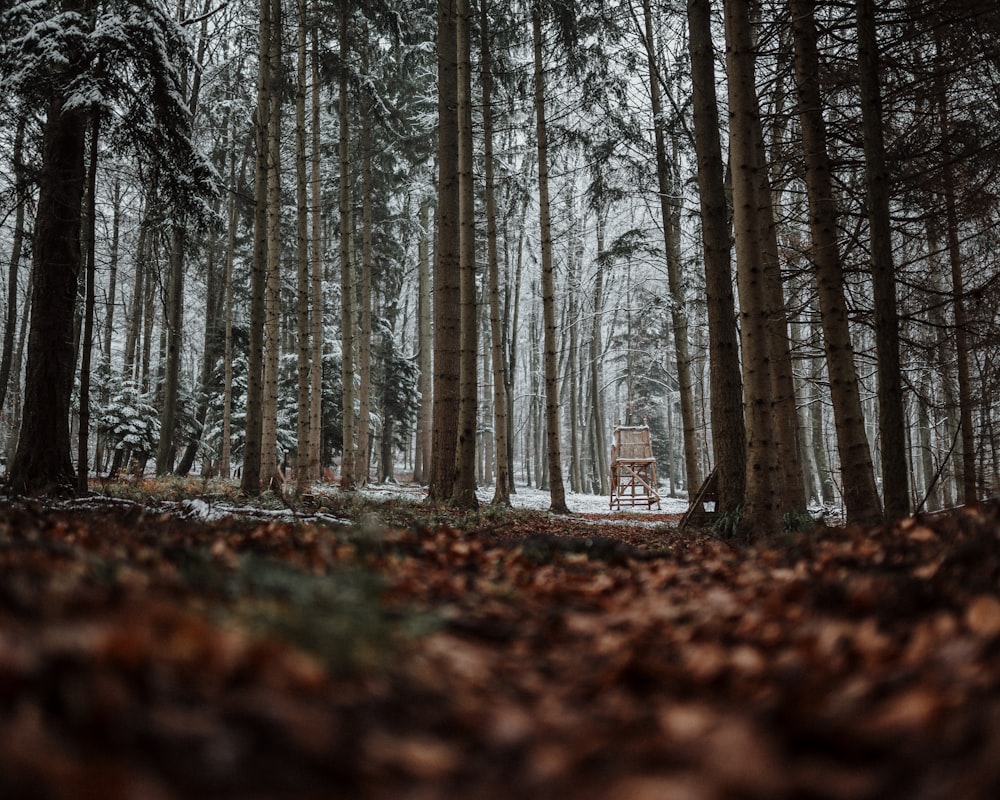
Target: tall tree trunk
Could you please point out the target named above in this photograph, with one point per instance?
(784, 406)
(574, 257)
(597, 406)
(171, 377)
(447, 282)
(671, 235)
(861, 500)
(557, 491)
(512, 310)
(109, 314)
(15, 383)
(212, 350)
(501, 491)
(892, 425)
(464, 491)
(83, 449)
(969, 482)
(729, 432)
(133, 336)
(762, 506)
(225, 456)
(364, 294)
(347, 460)
(42, 460)
(250, 482)
(272, 292)
(316, 268)
(303, 431)
(422, 456)
(20, 199)
(152, 282)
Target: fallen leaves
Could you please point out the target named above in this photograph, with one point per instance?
(142, 655)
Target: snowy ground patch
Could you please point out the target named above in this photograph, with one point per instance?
(531, 498)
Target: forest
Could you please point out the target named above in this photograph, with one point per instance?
(325, 322)
(494, 233)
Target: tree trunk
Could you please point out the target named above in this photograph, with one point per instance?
(15, 387)
(892, 423)
(152, 282)
(42, 461)
(212, 349)
(501, 491)
(250, 482)
(447, 282)
(969, 482)
(729, 432)
(512, 311)
(784, 406)
(303, 431)
(347, 459)
(671, 239)
(83, 449)
(109, 316)
(422, 457)
(20, 199)
(133, 336)
(315, 463)
(225, 457)
(464, 490)
(597, 405)
(171, 377)
(861, 500)
(365, 294)
(272, 292)
(557, 491)
(761, 515)
(574, 257)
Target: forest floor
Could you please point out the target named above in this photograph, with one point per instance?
(158, 646)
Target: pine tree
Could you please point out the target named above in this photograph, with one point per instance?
(55, 58)
(857, 474)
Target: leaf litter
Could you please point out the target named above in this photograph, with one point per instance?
(146, 653)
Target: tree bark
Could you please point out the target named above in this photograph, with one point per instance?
(671, 240)
(969, 482)
(761, 515)
(212, 349)
(501, 491)
(225, 456)
(597, 406)
(250, 480)
(557, 491)
(892, 423)
(171, 377)
(447, 282)
(425, 344)
(272, 292)
(17, 246)
(347, 461)
(316, 269)
(303, 430)
(861, 500)
(109, 316)
(83, 448)
(364, 294)
(464, 491)
(42, 461)
(726, 385)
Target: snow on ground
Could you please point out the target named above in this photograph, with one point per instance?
(530, 498)
(526, 498)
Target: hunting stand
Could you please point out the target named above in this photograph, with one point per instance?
(633, 468)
